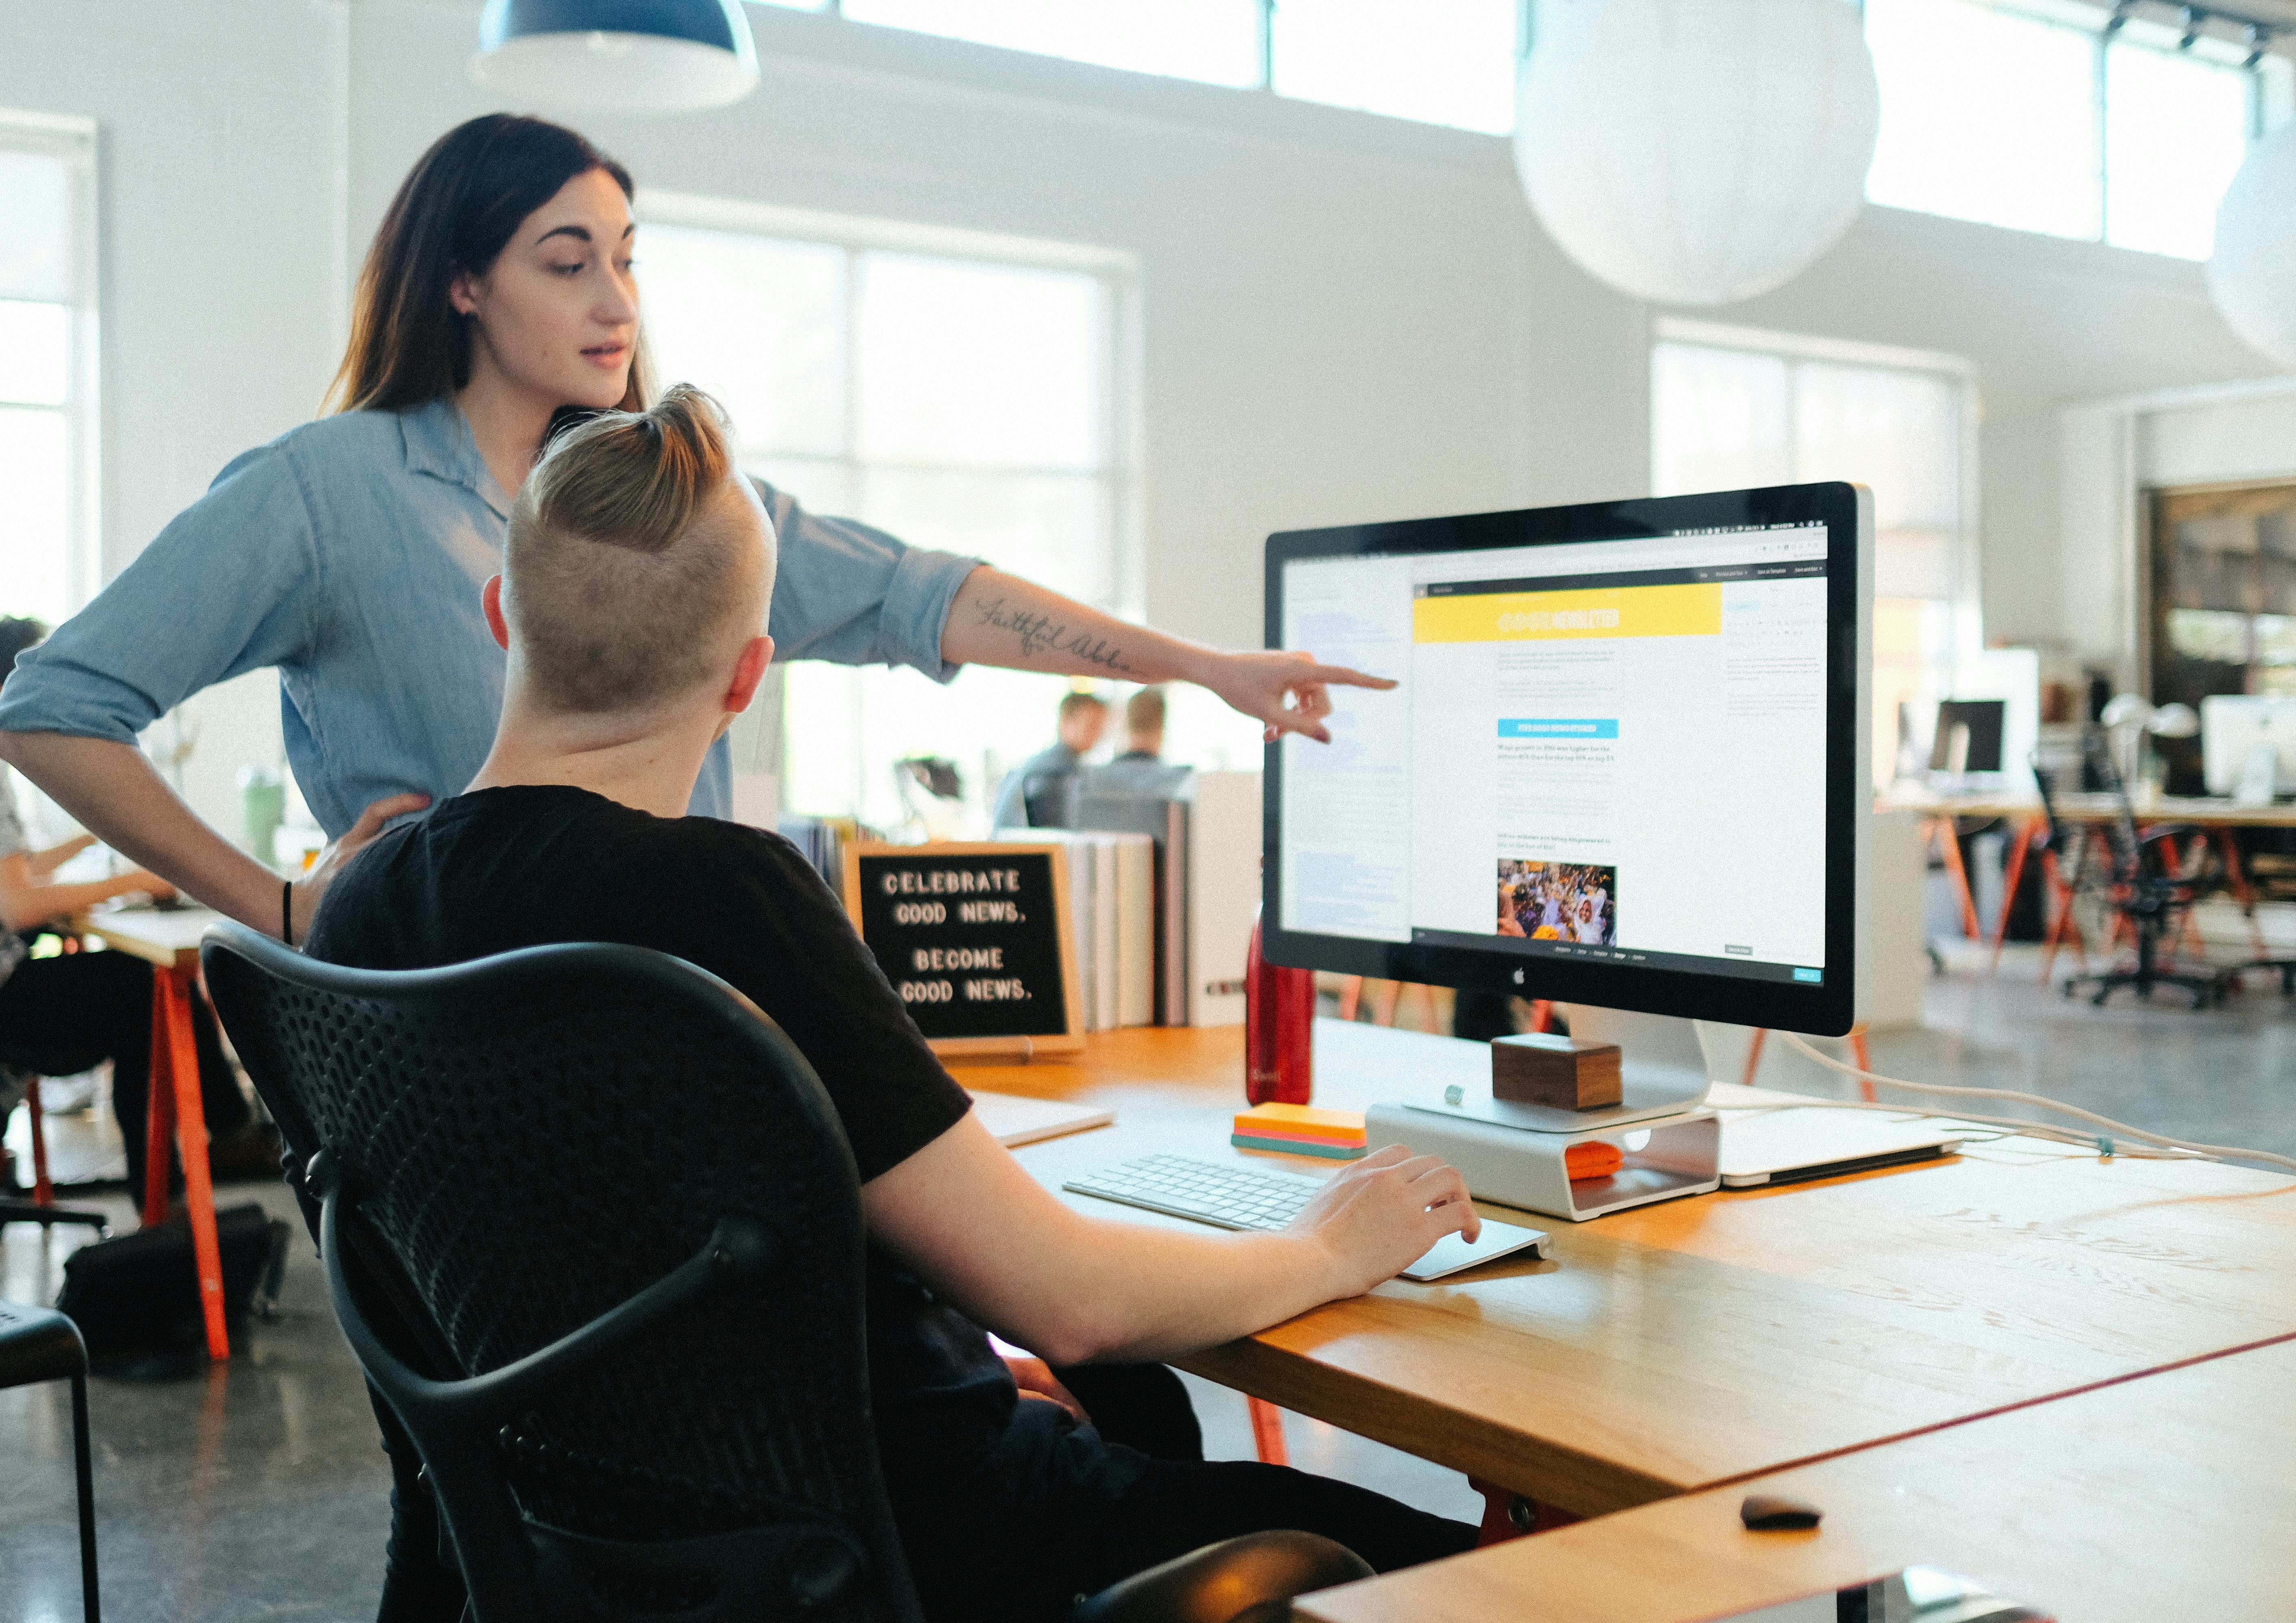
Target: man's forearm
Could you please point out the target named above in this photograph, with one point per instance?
(1001, 619)
(113, 791)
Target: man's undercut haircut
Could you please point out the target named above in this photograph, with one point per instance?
(1071, 703)
(621, 588)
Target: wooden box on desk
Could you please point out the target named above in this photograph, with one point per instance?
(1564, 1073)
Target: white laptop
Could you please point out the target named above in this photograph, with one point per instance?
(1793, 1145)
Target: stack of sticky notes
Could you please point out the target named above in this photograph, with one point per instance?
(1301, 1130)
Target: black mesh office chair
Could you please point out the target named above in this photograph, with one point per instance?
(655, 1405)
(2151, 885)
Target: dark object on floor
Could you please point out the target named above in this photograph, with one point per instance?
(1769, 1513)
(39, 1344)
(1206, 1585)
(680, 1421)
(2150, 881)
(136, 1299)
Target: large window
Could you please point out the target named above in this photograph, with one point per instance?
(1732, 408)
(47, 366)
(2035, 114)
(966, 394)
(1438, 61)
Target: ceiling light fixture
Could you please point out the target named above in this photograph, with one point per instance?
(617, 55)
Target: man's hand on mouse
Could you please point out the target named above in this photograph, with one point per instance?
(1382, 1213)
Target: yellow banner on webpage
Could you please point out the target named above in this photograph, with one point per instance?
(1693, 609)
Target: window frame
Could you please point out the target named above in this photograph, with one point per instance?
(1121, 428)
(73, 140)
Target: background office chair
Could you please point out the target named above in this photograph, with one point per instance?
(2151, 885)
(654, 1404)
(42, 1208)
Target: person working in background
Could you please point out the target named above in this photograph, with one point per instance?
(1140, 771)
(1040, 792)
(64, 1014)
(574, 830)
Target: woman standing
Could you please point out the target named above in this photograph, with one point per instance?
(349, 553)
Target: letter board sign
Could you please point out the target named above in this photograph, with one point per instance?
(975, 939)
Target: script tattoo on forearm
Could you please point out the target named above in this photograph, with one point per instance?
(1040, 634)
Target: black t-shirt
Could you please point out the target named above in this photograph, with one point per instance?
(505, 868)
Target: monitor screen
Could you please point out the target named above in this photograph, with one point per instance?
(1625, 764)
(1968, 736)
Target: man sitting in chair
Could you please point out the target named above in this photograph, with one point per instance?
(637, 574)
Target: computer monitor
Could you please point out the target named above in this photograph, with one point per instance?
(1628, 764)
(2233, 725)
(1968, 737)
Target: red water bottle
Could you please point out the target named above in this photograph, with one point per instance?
(1279, 1013)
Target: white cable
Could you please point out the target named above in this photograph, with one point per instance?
(2103, 1144)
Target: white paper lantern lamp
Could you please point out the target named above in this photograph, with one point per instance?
(1696, 151)
(2252, 272)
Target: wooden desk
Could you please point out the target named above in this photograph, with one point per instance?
(2166, 1498)
(169, 942)
(1681, 1345)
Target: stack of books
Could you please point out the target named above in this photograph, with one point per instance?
(1301, 1130)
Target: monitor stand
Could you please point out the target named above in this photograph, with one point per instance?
(1513, 1154)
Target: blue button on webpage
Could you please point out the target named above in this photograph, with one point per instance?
(1814, 976)
(1557, 728)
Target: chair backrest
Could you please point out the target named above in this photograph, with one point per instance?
(2120, 833)
(595, 1232)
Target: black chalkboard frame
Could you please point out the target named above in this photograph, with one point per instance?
(1019, 1044)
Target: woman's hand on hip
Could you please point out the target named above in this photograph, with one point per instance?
(313, 885)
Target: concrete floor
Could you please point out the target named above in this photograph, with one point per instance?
(256, 1490)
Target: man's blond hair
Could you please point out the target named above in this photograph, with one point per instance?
(621, 587)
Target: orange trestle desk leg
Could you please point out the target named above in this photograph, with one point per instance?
(176, 1075)
(1754, 1055)
(158, 1107)
(1350, 996)
(1268, 1431)
(44, 1193)
(1865, 1058)
(2236, 880)
(1507, 1514)
(2018, 846)
(1542, 1015)
(1951, 844)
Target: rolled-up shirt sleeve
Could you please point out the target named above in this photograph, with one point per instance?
(852, 594)
(227, 587)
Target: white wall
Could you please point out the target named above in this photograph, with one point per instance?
(220, 134)
(1345, 316)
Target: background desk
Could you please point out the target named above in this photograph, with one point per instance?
(2167, 1498)
(1681, 1345)
(169, 942)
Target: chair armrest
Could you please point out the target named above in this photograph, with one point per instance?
(2169, 830)
(1250, 1579)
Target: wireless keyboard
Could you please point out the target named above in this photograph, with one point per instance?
(1224, 1196)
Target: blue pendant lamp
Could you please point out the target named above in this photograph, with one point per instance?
(617, 55)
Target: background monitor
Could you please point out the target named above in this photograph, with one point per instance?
(1628, 764)
(2234, 723)
(1971, 729)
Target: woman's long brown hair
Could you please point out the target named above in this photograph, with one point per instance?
(454, 211)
